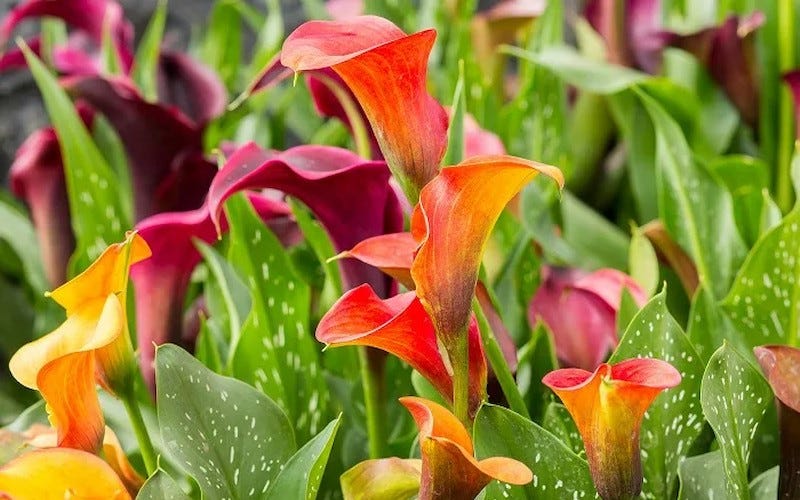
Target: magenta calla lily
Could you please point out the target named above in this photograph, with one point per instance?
(161, 282)
(351, 196)
(37, 176)
(190, 86)
(580, 309)
(86, 16)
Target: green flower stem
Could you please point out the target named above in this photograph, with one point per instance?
(459, 360)
(498, 363)
(140, 429)
(361, 132)
(786, 62)
(372, 371)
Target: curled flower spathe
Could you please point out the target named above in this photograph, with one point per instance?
(91, 346)
(608, 406)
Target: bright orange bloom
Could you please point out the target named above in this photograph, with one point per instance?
(59, 473)
(608, 406)
(449, 467)
(93, 345)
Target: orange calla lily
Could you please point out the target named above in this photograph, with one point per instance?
(59, 473)
(452, 222)
(93, 345)
(382, 66)
(449, 467)
(608, 406)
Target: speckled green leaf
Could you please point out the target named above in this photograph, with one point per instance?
(232, 439)
(535, 360)
(559, 422)
(696, 208)
(277, 346)
(160, 486)
(643, 262)
(97, 215)
(702, 477)
(734, 396)
(558, 473)
(765, 486)
(302, 474)
(675, 418)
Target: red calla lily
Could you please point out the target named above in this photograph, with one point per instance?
(781, 366)
(401, 326)
(608, 406)
(580, 309)
(351, 196)
(449, 467)
(381, 66)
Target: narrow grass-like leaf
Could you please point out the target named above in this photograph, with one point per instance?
(97, 217)
(558, 473)
(675, 418)
(17, 231)
(734, 397)
(232, 439)
(455, 133)
(145, 65)
(301, 475)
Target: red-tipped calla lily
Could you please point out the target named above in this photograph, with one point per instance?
(37, 176)
(58, 473)
(90, 17)
(401, 326)
(608, 406)
(161, 282)
(449, 467)
(781, 366)
(351, 196)
(580, 309)
(382, 478)
(381, 66)
(92, 345)
(452, 222)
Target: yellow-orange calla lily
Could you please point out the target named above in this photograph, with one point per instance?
(92, 345)
(59, 473)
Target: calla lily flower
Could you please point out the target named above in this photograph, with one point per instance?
(781, 366)
(608, 406)
(580, 309)
(350, 196)
(161, 282)
(452, 222)
(635, 37)
(401, 326)
(449, 467)
(37, 176)
(93, 345)
(381, 66)
(58, 473)
(89, 17)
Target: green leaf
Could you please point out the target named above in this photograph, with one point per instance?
(747, 179)
(643, 262)
(229, 437)
(222, 47)
(702, 477)
(765, 486)
(145, 65)
(269, 37)
(598, 242)
(558, 473)
(97, 217)
(535, 360)
(277, 345)
(764, 298)
(695, 207)
(559, 422)
(455, 132)
(17, 230)
(583, 72)
(301, 475)
(734, 396)
(675, 418)
(709, 327)
(160, 486)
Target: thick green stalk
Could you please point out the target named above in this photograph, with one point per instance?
(459, 359)
(372, 370)
(786, 136)
(498, 363)
(140, 429)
